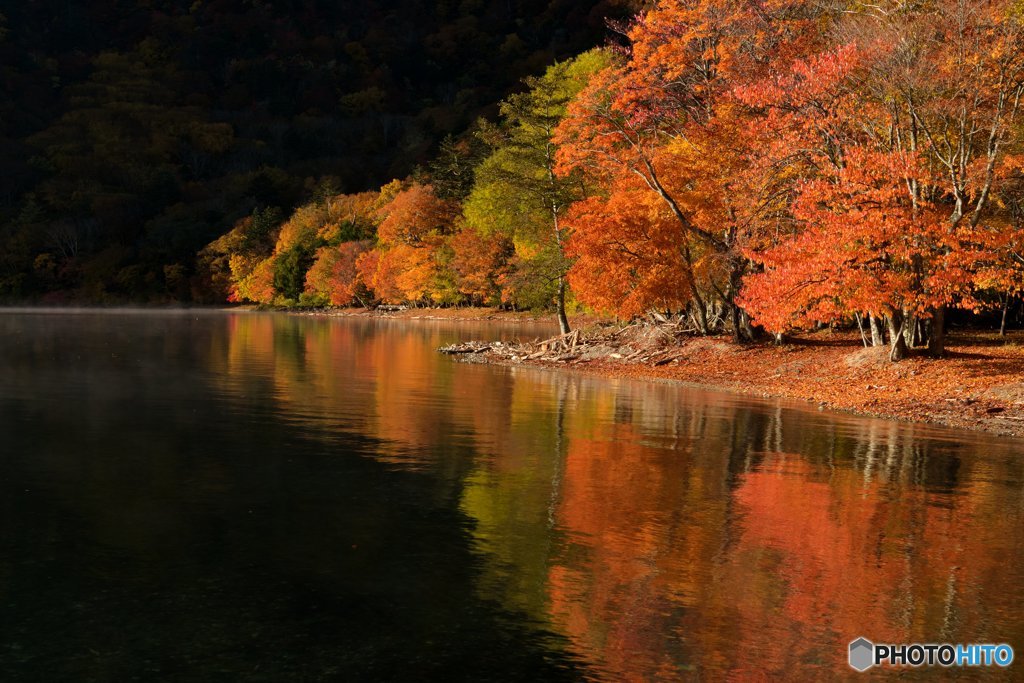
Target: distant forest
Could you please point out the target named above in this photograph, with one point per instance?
(133, 132)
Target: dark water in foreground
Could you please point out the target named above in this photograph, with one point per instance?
(264, 497)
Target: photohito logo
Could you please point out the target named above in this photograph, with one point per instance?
(864, 654)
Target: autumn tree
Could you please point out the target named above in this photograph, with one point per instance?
(416, 217)
(631, 254)
(663, 121)
(956, 71)
(267, 260)
(481, 265)
(841, 248)
(405, 265)
(333, 278)
(231, 259)
(862, 246)
(898, 141)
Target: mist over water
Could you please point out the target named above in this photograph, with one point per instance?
(273, 497)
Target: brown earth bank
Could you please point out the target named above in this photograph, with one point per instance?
(979, 385)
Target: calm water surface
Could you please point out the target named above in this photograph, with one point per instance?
(213, 496)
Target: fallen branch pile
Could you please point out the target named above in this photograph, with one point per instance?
(641, 342)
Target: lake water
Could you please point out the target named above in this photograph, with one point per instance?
(219, 496)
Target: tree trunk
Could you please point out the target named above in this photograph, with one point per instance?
(910, 330)
(700, 316)
(737, 332)
(700, 309)
(860, 326)
(937, 336)
(741, 327)
(877, 336)
(563, 319)
(899, 350)
(1006, 309)
(750, 333)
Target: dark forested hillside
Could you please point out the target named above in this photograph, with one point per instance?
(133, 132)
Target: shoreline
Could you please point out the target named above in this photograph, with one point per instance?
(978, 386)
(995, 425)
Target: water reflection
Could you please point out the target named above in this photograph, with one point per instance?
(630, 531)
(666, 531)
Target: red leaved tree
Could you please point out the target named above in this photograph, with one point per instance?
(665, 123)
(897, 143)
(334, 276)
(404, 267)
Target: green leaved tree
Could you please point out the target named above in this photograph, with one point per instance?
(516, 192)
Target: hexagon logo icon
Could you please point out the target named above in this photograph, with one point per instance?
(862, 654)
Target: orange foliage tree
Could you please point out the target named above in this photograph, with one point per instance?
(664, 123)
(405, 265)
(902, 143)
(863, 246)
(480, 264)
(268, 261)
(333, 277)
(634, 254)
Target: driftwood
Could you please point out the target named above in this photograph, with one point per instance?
(655, 343)
(466, 347)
